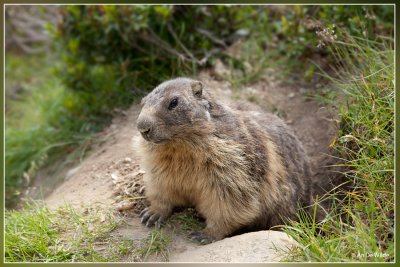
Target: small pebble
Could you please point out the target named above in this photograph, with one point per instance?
(127, 160)
(125, 205)
(114, 178)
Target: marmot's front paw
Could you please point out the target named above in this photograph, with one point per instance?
(200, 237)
(150, 218)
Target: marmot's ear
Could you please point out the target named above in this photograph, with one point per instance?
(197, 88)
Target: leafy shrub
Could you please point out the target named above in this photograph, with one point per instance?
(300, 31)
(114, 53)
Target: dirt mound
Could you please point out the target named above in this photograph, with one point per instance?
(92, 180)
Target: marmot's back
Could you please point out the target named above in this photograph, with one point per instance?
(239, 169)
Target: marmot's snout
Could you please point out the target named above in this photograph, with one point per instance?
(145, 127)
(150, 129)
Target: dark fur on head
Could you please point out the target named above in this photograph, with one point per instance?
(171, 107)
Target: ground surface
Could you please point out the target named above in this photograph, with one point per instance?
(111, 175)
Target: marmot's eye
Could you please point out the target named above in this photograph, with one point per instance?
(173, 103)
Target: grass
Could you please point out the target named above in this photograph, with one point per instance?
(40, 127)
(247, 63)
(19, 70)
(360, 226)
(38, 234)
(30, 237)
(188, 220)
(156, 243)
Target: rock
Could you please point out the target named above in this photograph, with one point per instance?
(220, 70)
(114, 178)
(127, 160)
(242, 33)
(125, 205)
(262, 246)
(71, 173)
(302, 90)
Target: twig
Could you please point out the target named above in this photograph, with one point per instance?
(25, 27)
(212, 52)
(210, 36)
(155, 39)
(171, 31)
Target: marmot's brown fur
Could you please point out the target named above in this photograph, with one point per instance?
(238, 169)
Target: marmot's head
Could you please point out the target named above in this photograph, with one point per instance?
(175, 110)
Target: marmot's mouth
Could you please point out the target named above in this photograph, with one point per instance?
(145, 136)
(159, 142)
(154, 141)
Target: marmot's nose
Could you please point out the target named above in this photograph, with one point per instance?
(145, 131)
(144, 127)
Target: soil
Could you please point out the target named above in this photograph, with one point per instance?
(111, 174)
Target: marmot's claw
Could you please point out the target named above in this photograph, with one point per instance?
(143, 212)
(205, 241)
(145, 216)
(200, 237)
(159, 222)
(150, 218)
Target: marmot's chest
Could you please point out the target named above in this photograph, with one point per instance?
(183, 176)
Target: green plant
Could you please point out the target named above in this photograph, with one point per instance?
(136, 47)
(40, 130)
(304, 30)
(188, 220)
(360, 226)
(156, 243)
(38, 234)
(30, 237)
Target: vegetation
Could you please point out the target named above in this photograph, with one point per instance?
(187, 221)
(105, 57)
(39, 128)
(135, 48)
(360, 226)
(38, 234)
(156, 243)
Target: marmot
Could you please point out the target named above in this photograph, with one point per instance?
(238, 169)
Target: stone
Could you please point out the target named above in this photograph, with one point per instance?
(127, 160)
(71, 173)
(262, 246)
(220, 70)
